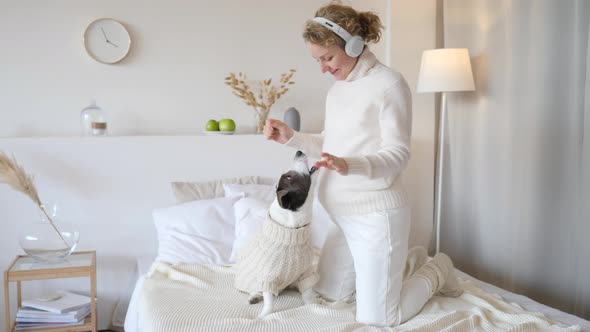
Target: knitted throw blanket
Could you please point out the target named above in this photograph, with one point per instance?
(195, 298)
(276, 258)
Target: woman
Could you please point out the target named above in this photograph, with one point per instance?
(364, 148)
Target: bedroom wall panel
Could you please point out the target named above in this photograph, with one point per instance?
(172, 81)
(109, 186)
(170, 84)
(413, 29)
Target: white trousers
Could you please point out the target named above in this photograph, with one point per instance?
(367, 253)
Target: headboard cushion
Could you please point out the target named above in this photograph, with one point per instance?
(191, 191)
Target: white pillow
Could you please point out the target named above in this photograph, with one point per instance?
(198, 232)
(249, 213)
(261, 191)
(192, 191)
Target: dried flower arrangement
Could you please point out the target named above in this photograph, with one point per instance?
(12, 174)
(267, 96)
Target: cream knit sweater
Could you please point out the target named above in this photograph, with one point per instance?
(279, 256)
(368, 122)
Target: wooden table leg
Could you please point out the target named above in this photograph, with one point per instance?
(93, 300)
(7, 317)
(19, 299)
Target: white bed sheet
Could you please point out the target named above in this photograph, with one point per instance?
(131, 313)
(143, 264)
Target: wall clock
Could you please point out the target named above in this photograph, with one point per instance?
(107, 40)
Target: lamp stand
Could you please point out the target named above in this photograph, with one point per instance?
(439, 166)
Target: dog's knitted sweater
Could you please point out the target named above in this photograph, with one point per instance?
(278, 257)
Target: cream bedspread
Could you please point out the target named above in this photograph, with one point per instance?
(202, 298)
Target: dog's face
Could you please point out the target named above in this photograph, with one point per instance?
(294, 185)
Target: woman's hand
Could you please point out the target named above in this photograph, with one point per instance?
(333, 163)
(277, 131)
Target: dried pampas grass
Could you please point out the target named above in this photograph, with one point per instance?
(267, 95)
(14, 175)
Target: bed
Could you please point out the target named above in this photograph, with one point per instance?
(173, 292)
(495, 296)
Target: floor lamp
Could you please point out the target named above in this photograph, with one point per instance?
(443, 70)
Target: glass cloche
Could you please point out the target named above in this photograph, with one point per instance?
(93, 120)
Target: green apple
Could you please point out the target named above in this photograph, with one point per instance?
(212, 125)
(227, 125)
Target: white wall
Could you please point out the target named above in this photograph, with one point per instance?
(172, 81)
(109, 186)
(170, 84)
(413, 29)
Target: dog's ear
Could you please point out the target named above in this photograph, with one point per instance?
(283, 199)
(312, 170)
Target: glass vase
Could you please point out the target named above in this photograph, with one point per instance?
(49, 238)
(260, 120)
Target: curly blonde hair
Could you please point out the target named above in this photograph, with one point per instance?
(364, 24)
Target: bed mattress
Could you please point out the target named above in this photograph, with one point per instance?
(202, 298)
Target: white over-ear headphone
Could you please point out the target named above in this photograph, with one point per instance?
(354, 44)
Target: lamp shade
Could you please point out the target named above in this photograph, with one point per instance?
(445, 70)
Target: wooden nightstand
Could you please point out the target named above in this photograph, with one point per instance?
(78, 264)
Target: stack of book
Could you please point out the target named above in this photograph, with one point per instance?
(64, 309)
